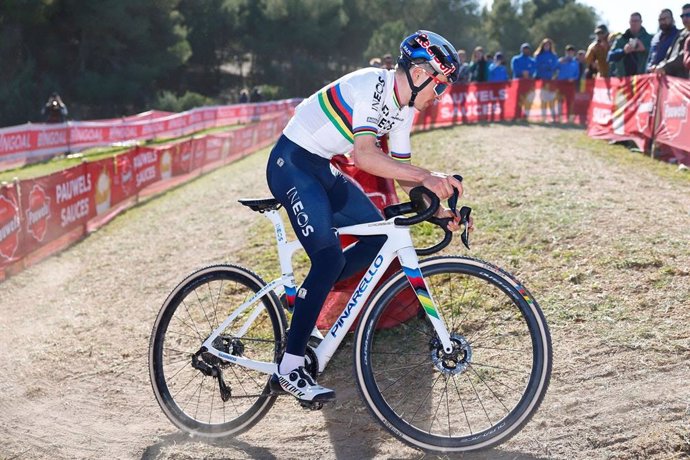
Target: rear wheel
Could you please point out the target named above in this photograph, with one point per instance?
(197, 391)
(478, 395)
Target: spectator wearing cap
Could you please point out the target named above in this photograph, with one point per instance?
(673, 63)
(546, 60)
(662, 40)
(497, 68)
(631, 51)
(479, 68)
(597, 52)
(523, 65)
(568, 66)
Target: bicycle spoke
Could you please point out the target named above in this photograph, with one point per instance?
(479, 399)
(489, 388)
(210, 326)
(474, 363)
(462, 405)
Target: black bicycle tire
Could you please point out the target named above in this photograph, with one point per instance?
(375, 402)
(177, 416)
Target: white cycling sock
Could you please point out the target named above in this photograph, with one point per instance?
(289, 363)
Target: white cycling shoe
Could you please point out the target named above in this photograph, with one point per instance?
(301, 385)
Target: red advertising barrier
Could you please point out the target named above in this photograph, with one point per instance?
(623, 109)
(547, 101)
(41, 216)
(10, 227)
(34, 142)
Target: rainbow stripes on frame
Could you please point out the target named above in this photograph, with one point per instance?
(414, 276)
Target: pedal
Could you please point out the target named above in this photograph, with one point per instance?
(311, 405)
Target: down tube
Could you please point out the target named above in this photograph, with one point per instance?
(359, 298)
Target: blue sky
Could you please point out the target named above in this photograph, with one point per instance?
(616, 13)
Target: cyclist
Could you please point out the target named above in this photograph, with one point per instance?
(345, 116)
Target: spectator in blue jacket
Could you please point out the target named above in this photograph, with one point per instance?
(523, 65)
(662, 40)
(497, 69)
(568, 65)
(546, 60)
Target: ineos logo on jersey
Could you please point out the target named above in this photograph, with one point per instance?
(378, 93)
(301, 217)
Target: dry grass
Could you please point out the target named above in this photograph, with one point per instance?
(598, 234)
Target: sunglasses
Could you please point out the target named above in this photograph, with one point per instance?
(685, 15)
(440, 87)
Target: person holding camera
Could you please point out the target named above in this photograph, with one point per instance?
(597, 52)
(54, 110)
(629, 53)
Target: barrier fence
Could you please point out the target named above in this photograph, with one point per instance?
(33, 142)
(43, 215)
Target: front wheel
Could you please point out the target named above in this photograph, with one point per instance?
(481, 393)
(197, 391)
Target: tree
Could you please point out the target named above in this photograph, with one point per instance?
(571, 24)
(505, 26)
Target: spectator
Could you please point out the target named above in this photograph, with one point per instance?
(497, 69)
(582, 63)
(615, 68)
(388, 62)
(568, 66)
(244, 96)
(598, 50)
(546, 60)
(464, 76)
(673, 63)
(256, 95)
(375, 62)
(479, 69)
(631, 51)
(523, 65)
(54, 110)
(662, 40)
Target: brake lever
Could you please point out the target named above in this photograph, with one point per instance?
(465, 212)
(453, 200)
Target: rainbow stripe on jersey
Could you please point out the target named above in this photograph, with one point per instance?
(336, 109)
(414, 276)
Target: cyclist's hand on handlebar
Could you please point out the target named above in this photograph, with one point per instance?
(454, 222)
(442, 185)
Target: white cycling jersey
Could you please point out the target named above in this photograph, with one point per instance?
(362, 103)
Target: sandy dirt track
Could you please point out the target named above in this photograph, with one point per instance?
(74, 329)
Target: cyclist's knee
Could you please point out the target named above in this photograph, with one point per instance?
(328, 262)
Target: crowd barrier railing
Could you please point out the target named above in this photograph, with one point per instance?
(44, 215)
(33, 142)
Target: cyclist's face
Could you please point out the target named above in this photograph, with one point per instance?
(426, 96)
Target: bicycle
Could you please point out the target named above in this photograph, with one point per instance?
(464, 368)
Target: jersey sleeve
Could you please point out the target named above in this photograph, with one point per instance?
(368, 92)
(399, 140)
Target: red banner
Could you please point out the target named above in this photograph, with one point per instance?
(547, 101)
(10, 226)
(623, 108)
(673, 128)
(55, 204)
(33, 142)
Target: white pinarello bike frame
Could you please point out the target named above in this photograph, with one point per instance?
(398, 243)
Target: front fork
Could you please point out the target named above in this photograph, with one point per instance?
(410, 265)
